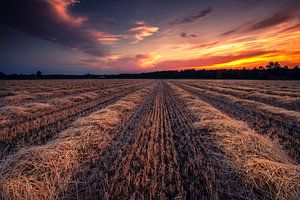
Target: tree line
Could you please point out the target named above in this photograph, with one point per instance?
(272, 71)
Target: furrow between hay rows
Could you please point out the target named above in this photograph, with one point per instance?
(93, 181)
(263, 170)
(144, 161)
(276, 123)
(40, 130)
(50, 168)
(194, 166)
(202, 160)
(149, 166)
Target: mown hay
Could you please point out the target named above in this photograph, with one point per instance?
(40, 172)
(280, 180)
(260, 161)
(15, 110)
(44, 172)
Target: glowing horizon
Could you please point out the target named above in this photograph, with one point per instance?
(73, 37)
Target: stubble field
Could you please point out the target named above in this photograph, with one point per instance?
(149, 139)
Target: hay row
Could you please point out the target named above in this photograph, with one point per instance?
(44, 172)
(30, 92)
(279, 88)
(259, 161)
(30, 110)
(279, 124)
(34, 122)
(286, 102)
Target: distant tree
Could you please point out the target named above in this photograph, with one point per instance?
(38, 73)
(261, 68)
(270, 65)
(273, 65)
(273, 70)
(276, 65)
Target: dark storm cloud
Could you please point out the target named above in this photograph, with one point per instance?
(273, 20)
(192, 18)
(286, 14)
(50, 20)
(294, 27)
(230, 32)
(185, 35)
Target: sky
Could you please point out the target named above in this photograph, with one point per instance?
(130, 36)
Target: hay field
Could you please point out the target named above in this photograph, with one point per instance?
(149, 139)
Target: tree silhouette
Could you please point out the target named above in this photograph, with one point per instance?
(273, 70)
(273, 66)
(38, 73)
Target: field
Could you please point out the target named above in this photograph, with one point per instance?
(149, 139)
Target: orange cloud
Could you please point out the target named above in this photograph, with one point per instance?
(282, 43)
(142, 30)
(106, 38)
(61, 9)
(201, 62)
(247, 59)
(122, 64)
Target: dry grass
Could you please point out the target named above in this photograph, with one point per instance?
(280, 180)
(34, 107)
(90, 95)
(24, 110)
(40, 172)
(60, 102)
(40, 123)
(76, 98)
(283, 101)
(44, 172)
(104, 118)
(278, 123)
(260, 161)
(3, 120)
(154, 143)
(19, 97)
(14, 110)
(263, 163)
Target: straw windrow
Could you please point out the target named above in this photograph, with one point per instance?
(44, 172)
(260, 162)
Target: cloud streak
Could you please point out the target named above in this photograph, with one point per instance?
(272, 20)
(51, 20)
(287, 14)
(185, 35)
(122, 64)
(207, 61)
(192, 18)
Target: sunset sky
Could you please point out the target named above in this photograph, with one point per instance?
(118, 36)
